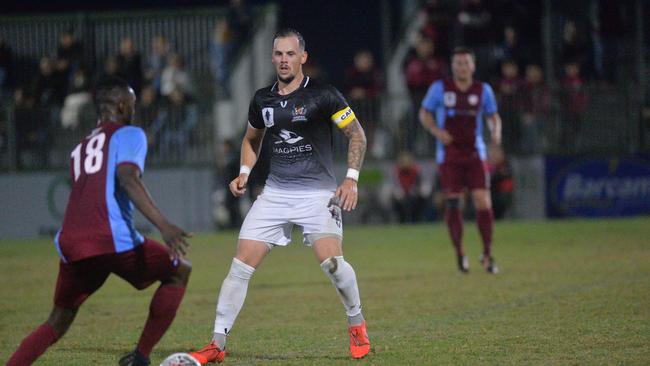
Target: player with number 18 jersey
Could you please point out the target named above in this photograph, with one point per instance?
(99, 216)
(98, 237)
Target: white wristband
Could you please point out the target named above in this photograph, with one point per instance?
(353, 174)
(244, 170)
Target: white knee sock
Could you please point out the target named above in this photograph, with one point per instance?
(231, 298)
(344, 280)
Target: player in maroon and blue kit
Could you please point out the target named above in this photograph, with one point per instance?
(453, 111)
(98, 237)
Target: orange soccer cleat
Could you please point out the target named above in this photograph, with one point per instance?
(209, 353)
(359, 342)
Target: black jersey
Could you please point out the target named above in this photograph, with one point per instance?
(299, 126)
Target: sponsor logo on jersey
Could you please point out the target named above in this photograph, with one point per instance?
(289, 137)
(283, 103)
(449, 99)
(299, 114)
(292, 150)
(451, 112)
(267, 115)
(343, 117)
(472, 99)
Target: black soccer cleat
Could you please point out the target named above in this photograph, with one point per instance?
(489, 264)
(463, 264)
(134, 358)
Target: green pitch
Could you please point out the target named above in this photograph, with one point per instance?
(570, 293)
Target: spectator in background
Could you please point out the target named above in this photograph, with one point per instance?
(406, 197)
(178, 119)
(534, 107)
(228, 170)
(6, 68)
(315, 70)
(221, 49)
(573, 100)
(364, 82)
(158, 60)
(574, 48)
(608, 32)
(476, 26)
(502, 184)
(111, 68)
(174, 77)
(32, 131)
(438, 20)
(364, 79)
(507, 88)
(50, 85)
(78, 109)
(421, 69)
(147, 112)
(130, 64)
(69, 54)
(511, 49)
(240, 20)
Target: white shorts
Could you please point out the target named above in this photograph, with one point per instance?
(275, 212)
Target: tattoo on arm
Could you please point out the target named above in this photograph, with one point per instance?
(357, 146)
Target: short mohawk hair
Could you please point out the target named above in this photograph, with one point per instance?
(290, 32)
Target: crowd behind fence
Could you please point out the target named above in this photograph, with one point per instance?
(586, 105)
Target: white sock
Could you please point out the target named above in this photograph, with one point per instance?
(344, 280)
(231, 297)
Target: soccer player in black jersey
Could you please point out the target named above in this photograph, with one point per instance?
(298, 115)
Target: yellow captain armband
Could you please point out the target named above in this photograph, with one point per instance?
(343, 117)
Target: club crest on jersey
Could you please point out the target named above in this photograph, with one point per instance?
(472, 99)
(449, 99)
(267, 115)
(299, 114)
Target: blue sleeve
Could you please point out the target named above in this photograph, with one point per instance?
(489, 101)
(131, 146)
(433, 99)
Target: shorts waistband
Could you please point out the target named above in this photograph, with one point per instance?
(297, 193)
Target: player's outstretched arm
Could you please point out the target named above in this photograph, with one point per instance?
(250, 150)
(129, 178)
(347, 192)
(429, 123)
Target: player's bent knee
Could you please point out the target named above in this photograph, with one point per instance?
(183, 272)
(332, 265)
(482, 200)
(329, 265)
(61, 318)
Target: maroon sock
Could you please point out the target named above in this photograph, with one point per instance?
(162, 311)
(34, 345)
(454, 220)
(484, 221)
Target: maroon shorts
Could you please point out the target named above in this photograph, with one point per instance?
(142, 266)
(457, 175)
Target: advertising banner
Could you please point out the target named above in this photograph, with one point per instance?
(594, 187)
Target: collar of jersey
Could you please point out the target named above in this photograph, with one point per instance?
(304, 83)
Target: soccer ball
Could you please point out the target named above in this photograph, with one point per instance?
(180, 359)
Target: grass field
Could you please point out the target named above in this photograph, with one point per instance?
(570, 293)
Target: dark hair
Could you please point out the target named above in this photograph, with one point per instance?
(461, 50)
(106, 88)
(290, 32)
